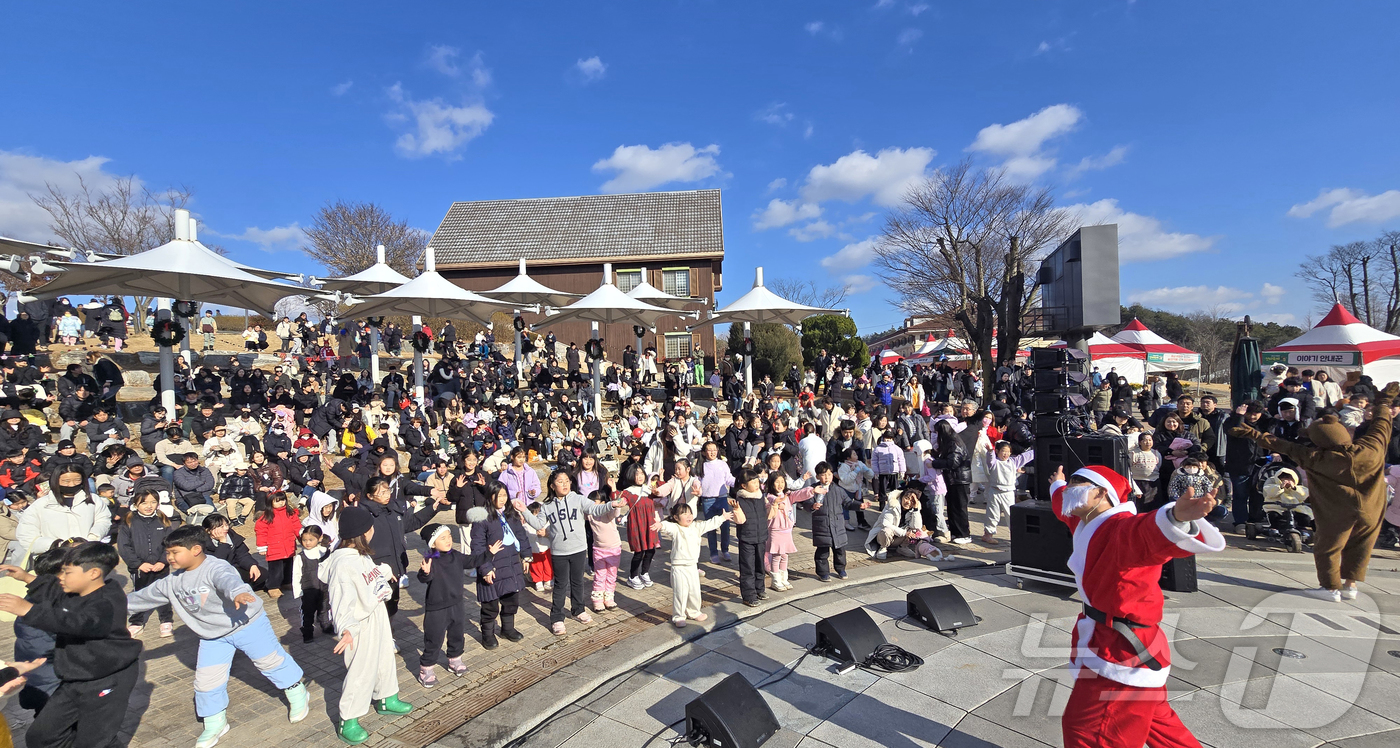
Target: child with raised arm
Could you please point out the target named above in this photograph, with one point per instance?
(216, 604)
(685, 533)
(1002, 469)
(828, 527)
(358, 590)
(445, 571)
(94, 655)
(781, 519)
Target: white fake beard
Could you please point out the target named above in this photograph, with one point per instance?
(1074, 498)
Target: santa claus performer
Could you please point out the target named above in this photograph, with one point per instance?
(1119, 652)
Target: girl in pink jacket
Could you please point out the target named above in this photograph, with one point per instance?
(781, 518)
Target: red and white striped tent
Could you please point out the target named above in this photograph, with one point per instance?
(1162, 354)
(1111, 356)
(888, 357)
(1341, 343)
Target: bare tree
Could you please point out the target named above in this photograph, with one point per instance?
(965, 244)
(1210, 333)
(808, 292)
(343, 237)
(124, 219)
(1363, 276)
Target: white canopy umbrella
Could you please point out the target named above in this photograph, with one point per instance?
(376, 278)
(524, 291)
(181, 269)
(762, 305)
(429, 295)
(608, 305)
(647, 293)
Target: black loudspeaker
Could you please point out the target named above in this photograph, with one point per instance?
(940, 608)
(1040, 542)
(732, 714)
(849, 637)
(1075, 452)
(1179, 575)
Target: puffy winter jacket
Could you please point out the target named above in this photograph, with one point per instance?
(955, 464)
(46, 520)
(279, 534)
(828, 525)
(507, 564)
(140, 542)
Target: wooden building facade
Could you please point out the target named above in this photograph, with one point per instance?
(676, 237)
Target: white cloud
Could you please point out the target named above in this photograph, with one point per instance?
(1222, 298)
(436, 127)
(275, 238)
(807, 133)
(1042, 48)
(1140, 238)
(1189, 298)
(639, 167)
(853, 256)
(880, 4)
(813, 231)
(443, 59)
(917, 8)
(883, 177)
(775, 114)
(907, 37)
(777, 184)
(340, 89)
(1351, 206)
(859, 283)
(814, 28)
(1113, 158)
(783, 212)
(591, 69)
(1021, 142)
(22, 175)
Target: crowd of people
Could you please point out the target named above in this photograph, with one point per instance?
(896, 454)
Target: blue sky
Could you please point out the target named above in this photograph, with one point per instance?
(1228, 140)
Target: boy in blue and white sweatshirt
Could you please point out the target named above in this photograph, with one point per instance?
(218, 606)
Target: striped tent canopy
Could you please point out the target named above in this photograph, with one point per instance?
(1342, 343)
(1162, 354)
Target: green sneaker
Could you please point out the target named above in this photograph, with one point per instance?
(299, 700)
(215, 727)
(392, 705)
(351, 732)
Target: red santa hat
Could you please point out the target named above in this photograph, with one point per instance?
(1117, 486)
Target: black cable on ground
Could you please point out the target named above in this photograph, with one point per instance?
(891, 658)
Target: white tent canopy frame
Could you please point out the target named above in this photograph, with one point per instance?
(376, 278)
(429, 295)
(607, 305)
(761, 305)
(181, 269)
(522, 291)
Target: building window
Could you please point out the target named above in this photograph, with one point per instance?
(677, 345)
(676, 282)
(628, 279)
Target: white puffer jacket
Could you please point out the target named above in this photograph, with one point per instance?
(46, 521)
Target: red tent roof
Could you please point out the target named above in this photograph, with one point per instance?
(1340, 330)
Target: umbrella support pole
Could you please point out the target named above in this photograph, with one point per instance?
(167, 364)
(639, 358)
(519, 358)
(597, 369)
(748, 366)
(373, 356)
(418, 365)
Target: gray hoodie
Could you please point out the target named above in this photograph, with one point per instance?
(203, 597)
(565, 519)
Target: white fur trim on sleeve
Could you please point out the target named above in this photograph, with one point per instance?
(1209, 540)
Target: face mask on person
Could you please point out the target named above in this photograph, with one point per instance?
(69, 491)
(1191, 470)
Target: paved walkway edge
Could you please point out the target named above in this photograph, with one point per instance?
(521, 713)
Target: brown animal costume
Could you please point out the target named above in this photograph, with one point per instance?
(1347, 480)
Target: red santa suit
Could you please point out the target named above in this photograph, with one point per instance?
(1120, 695)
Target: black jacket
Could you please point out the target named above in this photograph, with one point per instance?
(235, 552)
(391, 521)
(25, 438)
(300, 473)
(90, 636)
(465, 497)
(140, 542)
(954, 462)
(755, 527)
(510, 573)
(447, 577)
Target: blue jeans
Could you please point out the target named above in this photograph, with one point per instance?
(1239, 505)
(215, 658)
(710, 507)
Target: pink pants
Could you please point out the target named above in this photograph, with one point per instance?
(605, 563)
(775, 562)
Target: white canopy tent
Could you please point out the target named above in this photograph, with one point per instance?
(522, 291)
(1339, 344)
(375, 279)
(181, 269)
(761, 305)
(607, 305)
(1162, 354)
(429, 295)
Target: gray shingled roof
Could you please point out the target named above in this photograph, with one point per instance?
(597, 227)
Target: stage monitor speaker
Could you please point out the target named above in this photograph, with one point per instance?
(732, 714)
(940, 608)
(849, 637)
(1039, 540)
(1075, 452)
(1179, 575)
